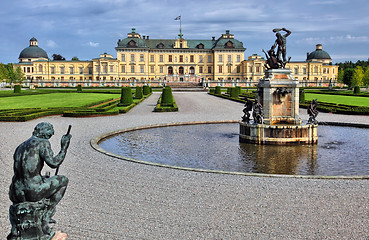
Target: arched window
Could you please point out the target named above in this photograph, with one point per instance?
(170, 70)
(192, 70)
(40, 68)
(181, 70)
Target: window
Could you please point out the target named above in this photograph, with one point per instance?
(61, 70)
(161, 70)
(181, 45)
(304, 70)
(71, 70)
(105, 69)
(180, 58)
(229, 58)
(132, 57)
(238, 69)
(152, 58)
(200, 69)
(201, 59)
(220, 69)
(229, 69)
(192, 58)
(151, 69)
(141, 57)
(123, 57)
(40, 68)
(170, 58)
(111, 68)
(209, 69)
(52, 70)
(315, 69)
(220, 58)
(209, 59)
(132, 69)
(123, 69)
(238, 58)
(90, 70)
(142, 69)
(296, 70)
(80, 70)
(161, 58)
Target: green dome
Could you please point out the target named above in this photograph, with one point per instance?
(33, 52)
(319, 53)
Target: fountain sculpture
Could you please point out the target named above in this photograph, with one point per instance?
(276, 111)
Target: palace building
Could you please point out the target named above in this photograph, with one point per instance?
(141, 60)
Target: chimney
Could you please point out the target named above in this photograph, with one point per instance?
(227, 31)
(213, 38)
(143, 36)
(307, 55)
(147, 37)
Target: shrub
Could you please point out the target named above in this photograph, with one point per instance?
(79, 88)
(218, 90)
(302, 96)
(17, 88)
(126, 96)
(234, 92)
(238, 90)
(146, 90)
(356, 89)
(167, 97)
(139, 93)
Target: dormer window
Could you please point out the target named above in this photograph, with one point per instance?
(200, 46)
(132, 44)
(229, 44)
(160, 45)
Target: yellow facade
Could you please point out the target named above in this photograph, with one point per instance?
(141, 60)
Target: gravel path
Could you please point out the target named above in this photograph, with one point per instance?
(108, 198)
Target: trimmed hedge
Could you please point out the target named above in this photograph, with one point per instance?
(167, 97)
(17, 88)
(126, 97)
(356, 89)
(147, 90)
(139, 93)
(234, 92)
(339, 108)
(218, 90)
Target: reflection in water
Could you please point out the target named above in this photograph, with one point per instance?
(340, 150)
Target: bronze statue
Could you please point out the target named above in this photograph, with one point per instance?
(246, 111)
(258, 113)
(275, 61)
(313, 112)
(35, 196)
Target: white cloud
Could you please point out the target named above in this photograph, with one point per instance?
(93, 44)
(51, 44)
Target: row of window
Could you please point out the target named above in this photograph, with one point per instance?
(180, 58)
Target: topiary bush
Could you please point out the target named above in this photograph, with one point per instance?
(356, 89)
(238, 90)
(234, 92)
(302, 96)
(218, 90)
(146, 90)
(139, 93)
(17, 88)
(79, 88)
(167, 97)
(126, 97)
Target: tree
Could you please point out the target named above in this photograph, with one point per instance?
(58, 57)
(75, 58)
(19, 75)
(11, 75)
(357, 77)
(340, 75)
(347, 76)
(366, 77)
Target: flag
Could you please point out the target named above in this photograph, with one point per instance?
(178, 18)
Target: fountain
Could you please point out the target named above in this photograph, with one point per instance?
(276, 111)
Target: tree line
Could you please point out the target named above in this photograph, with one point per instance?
(354, 74)
(10, 74)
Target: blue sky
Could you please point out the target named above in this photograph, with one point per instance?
(88, 28)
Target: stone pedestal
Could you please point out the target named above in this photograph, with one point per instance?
(278, 93)
(279, 96)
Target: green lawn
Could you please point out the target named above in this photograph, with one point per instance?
(53, 100)
(339, 99)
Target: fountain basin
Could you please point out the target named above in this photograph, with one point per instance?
(278, 134)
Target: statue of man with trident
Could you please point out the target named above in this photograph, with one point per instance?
(35, 196)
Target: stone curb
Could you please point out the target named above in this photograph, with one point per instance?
(96, 140)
